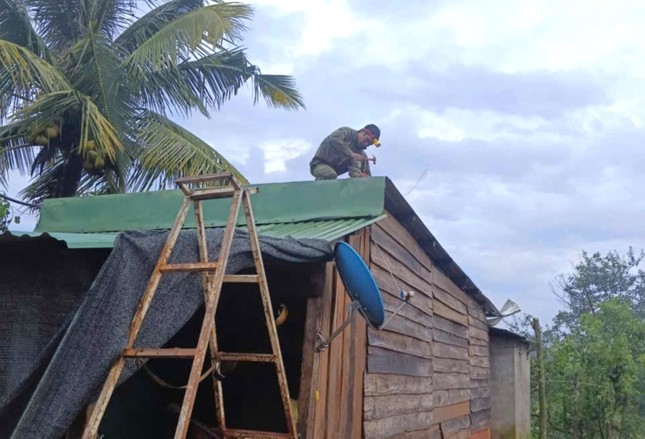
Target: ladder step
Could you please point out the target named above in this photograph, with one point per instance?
(160, 353)
(194, 266)
(252, 434)
(220, 192)
(207, 194)
(244, 356)
(241, 278)
(203, 178)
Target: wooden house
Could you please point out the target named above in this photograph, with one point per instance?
(426, 375)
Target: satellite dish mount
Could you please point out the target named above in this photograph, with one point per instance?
(361, 287)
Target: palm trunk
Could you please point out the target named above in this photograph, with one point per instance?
(71, 178)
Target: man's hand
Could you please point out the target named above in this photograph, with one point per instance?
(357, 157)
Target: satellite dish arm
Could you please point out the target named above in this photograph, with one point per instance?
(352, 307)
(323, 344)
(405, 296)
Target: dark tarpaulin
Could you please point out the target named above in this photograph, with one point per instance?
(98, 331)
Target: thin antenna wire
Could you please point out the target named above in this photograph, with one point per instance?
(417, 182)
(378, 247)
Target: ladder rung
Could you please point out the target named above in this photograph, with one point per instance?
(220, 192)
(207, 194)
(252, 434)
(241, 278)
(203, 178)
(160, 353)
(244, 356)
(194, 266)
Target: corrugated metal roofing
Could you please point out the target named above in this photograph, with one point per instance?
(296, 209)
(275, 203)
(328, 230)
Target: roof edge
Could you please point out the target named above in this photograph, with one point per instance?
(398, 206)
(275, 203)
(509, 334)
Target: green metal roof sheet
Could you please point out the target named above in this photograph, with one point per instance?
(313, 209)
(328, 230)
(275, 203)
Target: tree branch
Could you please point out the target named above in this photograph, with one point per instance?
(13, 200)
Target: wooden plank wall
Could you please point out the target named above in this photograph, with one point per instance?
(428, 371)
(331, 392)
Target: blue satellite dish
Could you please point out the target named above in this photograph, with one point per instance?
(359, 283)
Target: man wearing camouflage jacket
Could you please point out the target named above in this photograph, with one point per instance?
(344, 151)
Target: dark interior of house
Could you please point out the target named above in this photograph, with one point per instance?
(145, 407)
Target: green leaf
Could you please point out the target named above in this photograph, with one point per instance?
(93, 124)
(169, 152)
(278, 91)
(191, 34)
(111, 16)
(16, 150)
(153, 21)
(16, 27)
(60, 22)
(96, 73)
(199, 84)
(22, 72)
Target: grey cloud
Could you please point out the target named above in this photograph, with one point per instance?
(555, 198)
(544, 94)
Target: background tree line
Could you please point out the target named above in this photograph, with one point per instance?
(594, 351)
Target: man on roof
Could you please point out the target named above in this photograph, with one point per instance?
(344, 151)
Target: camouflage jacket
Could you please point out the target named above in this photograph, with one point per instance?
(336, 149)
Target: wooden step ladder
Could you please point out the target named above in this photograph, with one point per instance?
(213, 278)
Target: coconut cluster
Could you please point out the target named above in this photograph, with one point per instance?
(45, 136)
(93, 158)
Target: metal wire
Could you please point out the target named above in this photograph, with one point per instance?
(389, 268)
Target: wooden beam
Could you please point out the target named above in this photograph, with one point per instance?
(379, 407)
(452, 411)
(309, 367)
(388, 427)
(399, 343)
(448, 313)
(386, 384)
(317, 428)
(385, 361)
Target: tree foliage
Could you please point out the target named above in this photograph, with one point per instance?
(595, 351)
(87, 89)
(594, 385)
(4, 215)
(596, 279)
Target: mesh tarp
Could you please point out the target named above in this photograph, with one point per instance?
(98, 331)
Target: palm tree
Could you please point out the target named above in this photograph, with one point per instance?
(87, 88)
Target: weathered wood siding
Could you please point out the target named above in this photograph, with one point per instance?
(428, 372)
(331, 392)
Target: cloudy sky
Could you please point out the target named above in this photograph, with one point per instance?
(515, 128)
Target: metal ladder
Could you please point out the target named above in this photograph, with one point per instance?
(213, 278)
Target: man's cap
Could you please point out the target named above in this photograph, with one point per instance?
(376, 132)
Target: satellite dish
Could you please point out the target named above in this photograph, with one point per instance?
(359, 283)
(362, 288)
